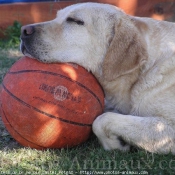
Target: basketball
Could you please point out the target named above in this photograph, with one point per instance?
(50, 105)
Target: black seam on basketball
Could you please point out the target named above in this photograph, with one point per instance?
(18, 132)
(42, 112)
(62, 76)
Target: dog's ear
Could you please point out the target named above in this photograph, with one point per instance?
(127, 50)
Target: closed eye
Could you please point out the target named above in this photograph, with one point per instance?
(77, 21)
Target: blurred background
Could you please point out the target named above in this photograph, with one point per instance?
(33, 11)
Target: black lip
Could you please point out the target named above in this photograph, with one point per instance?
(24, 50)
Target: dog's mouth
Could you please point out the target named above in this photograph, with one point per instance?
(29, 53)
(24, 50)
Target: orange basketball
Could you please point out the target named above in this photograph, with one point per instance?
(50, 105)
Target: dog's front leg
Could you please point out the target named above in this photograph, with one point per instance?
(117, 131)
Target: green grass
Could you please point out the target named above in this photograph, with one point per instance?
(11, 34)
(88, 158)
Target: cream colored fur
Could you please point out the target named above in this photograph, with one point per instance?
(134, 60)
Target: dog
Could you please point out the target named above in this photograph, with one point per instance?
(133, 59)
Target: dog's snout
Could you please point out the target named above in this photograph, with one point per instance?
(27, 31)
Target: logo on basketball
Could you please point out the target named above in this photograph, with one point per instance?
(60, 93)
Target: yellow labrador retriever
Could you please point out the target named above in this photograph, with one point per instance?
(134, 60)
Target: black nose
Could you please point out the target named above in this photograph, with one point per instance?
(27, 31)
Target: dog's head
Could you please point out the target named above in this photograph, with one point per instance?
(95, 36)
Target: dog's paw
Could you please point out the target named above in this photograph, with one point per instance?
(112, 143)
(103, 128)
